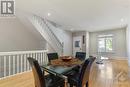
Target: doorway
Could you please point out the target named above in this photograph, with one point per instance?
(77, 44)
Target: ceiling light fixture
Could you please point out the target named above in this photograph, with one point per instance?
(71, 29)
(122, 20)
(49, 14)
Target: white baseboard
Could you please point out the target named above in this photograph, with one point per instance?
(118, 58)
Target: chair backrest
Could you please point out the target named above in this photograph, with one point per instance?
(92, 58)
(52, 56)
(37, 72)
(85, 72)
(80, 55)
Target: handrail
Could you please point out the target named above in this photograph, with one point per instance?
(53, 36)
(53, 33)
(45, 22)
(21, 52)
(45, 30)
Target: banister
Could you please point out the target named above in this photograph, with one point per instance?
(16, 62)
(43, 26)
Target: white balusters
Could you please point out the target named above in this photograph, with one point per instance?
(28, 62)
(16, 62)
(45, 29)
(21, 62)
(9, 67)
(0, 67)
(25, 62)
(5, 66)
(14, 65)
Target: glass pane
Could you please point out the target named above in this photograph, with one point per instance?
(109, 44)
(101, 45)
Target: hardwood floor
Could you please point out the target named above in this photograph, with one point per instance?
(21, 80)
(113, 73)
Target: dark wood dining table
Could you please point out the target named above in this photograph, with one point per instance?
(59, 67)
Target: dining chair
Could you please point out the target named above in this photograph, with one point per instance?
(92, 58)
(52, 56)
(81, 55)
(40, 79)
(81, 79)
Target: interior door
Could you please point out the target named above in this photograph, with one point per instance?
(77, 44)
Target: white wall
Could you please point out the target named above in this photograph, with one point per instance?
(14, 36)
(119, 40)
(65, 37)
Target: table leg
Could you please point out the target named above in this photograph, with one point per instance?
(66, 82)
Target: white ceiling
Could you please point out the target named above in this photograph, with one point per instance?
(90, 15)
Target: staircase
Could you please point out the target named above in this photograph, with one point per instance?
(45, 29)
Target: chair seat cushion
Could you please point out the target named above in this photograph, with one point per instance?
(77, 68)
(57, 81)
(73, 77)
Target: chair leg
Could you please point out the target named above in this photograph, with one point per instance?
(87, 84)
(61, 85)
(71, 85)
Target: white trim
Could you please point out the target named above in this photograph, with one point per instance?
(21, 52)
(118, 58)
(105, 35)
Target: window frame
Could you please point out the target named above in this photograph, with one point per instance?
(106, 36)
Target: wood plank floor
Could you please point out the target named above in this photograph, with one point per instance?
(113, 73)
(21, 80)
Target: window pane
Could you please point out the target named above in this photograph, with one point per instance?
(109, 46)
(101, 45)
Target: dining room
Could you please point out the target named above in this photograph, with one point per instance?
(64, 43)
(67, 71)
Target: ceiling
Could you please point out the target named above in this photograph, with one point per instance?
(77, 15)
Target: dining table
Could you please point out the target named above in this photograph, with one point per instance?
(61, 66)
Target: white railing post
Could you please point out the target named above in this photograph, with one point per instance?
(9, 66)
(17, 63)
(5, 66)
(25, 62)
(28, 62)
(0, 67)
(14, 64)
(21, 63)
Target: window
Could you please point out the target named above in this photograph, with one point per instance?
(105, 43)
